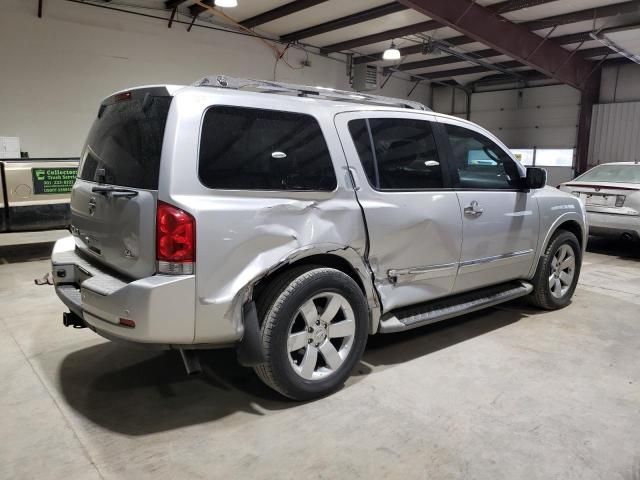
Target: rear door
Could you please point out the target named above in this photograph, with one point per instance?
(113, 202)
(500, 221)
(412, 216)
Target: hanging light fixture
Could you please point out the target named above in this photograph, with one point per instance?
(226, 3)
(391, 53)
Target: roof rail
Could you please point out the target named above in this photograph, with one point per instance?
(264, 86)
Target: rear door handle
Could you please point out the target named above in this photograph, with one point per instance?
(473, 209)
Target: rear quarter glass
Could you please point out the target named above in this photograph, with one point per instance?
(125, 141)
(245, 148)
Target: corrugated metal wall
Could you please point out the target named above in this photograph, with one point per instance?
(615, 133)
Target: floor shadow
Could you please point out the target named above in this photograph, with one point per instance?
(623, 249)
(138, 392)
(387, 350)
(28, 252)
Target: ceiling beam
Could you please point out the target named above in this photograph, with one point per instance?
(485, 53)
(279, 12)
(586, 53)
(197, 9)
(530, 74)
(342, 22)
(516, 41)
(497, 9)
(382, 36)
(623, 8)
(171, 4)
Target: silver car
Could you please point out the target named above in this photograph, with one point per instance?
(291, 222)
(611, 195)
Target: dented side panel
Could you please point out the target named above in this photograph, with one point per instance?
(415, 236)
(241, 236)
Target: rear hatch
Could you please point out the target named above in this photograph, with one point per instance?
(113, 202)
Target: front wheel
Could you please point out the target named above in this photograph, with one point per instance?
(314, 331)
(557, 274)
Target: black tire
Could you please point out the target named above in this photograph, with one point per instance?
(542, 296)
(277, 310)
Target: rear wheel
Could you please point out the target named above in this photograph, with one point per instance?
(314, 330)
(558, 271)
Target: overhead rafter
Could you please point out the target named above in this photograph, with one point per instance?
(342, 22)
(485, 53)
(196, 9)
(171, 4)
(279, 12)
(586, 53)
(547, 22)
(529, 75)
(516, 41)
(497, 9)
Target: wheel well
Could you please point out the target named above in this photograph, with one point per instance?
(573, 227)
(321, 260)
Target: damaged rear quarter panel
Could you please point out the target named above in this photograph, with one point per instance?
(243, 235)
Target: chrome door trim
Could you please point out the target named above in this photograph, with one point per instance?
(422, 273)
(504, 259)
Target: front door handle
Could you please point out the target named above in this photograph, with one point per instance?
(473, 209)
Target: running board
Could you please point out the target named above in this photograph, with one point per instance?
(426, 313)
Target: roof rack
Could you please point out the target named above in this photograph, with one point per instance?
(264, 86)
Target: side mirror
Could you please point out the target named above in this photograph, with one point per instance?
(536, 178)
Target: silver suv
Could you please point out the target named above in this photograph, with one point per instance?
(292, 222)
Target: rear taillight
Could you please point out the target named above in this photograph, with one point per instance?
(175, 240)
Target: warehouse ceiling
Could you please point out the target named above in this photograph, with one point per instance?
(449, 45)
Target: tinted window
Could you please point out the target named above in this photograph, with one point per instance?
(125, 142)
(404, 154)
(479, 162)
(253, 149)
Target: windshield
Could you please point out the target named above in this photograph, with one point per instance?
(613, 174)
(125, 142)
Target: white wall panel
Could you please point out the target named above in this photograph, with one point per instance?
(615, 133)
(55, 70)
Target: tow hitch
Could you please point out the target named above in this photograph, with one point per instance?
(70, 319)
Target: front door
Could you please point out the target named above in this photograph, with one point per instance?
(500, 219)
(412, 215)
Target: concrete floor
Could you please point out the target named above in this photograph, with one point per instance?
(509, 393)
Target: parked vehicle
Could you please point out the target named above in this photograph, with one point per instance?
(34, 193)
(611, 195)
(292, 222)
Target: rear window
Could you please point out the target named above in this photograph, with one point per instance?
(255, 149)
(612, 173)
(125, 142)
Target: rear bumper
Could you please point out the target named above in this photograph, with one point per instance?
(607, 224)
(162, 306)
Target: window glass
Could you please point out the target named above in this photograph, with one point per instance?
(554, 157)
(479, 162)
(125, 142)
(404, 154)
(612, 173)
(523, 155)
(254, 149)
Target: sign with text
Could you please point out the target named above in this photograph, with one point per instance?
(53, 180)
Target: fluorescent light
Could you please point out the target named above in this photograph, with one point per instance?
(391, 53)
(226, 3)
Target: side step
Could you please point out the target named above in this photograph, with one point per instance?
(426, 313)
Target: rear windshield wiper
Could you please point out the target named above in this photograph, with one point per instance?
(115, 192)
